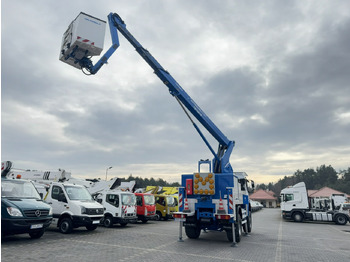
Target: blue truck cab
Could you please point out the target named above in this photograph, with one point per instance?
(22, 209)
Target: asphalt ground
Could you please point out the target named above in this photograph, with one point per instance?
(271, 239)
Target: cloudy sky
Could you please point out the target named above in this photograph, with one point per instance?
(272, 75)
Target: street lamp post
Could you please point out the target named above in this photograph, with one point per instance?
(107, 171)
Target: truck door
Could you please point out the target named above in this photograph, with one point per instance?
(58, 207)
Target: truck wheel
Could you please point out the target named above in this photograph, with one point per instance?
(340, 220)
(247, 227)
(144, 221)
(238, 229)
(249, 222)
(298, 217)
(37, 234)
(108, 221)
(123, 224)
(193, 232)
(158, 216)
(66, 226)
(91, 227)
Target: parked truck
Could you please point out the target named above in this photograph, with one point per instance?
(72, 204)
(145, 207)
(295, 206)
(22, 209)
(165, 206)
(215, 200)
(120, 206)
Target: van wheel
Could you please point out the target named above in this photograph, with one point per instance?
(340, 220)
(91, 227)
(66, 226)
(37, 234)
(298, 217)
(108, 221)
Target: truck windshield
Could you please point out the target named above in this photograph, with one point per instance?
(170, 200)
(128, 200)
(18, 189)
(149, 199)
(78, 193)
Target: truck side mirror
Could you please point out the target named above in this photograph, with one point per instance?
(41, 195)
(62, 198)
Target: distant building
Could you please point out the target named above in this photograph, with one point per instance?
(324, 192)
(266, 198)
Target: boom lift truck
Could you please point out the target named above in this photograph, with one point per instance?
(72, 205)
(214, 200)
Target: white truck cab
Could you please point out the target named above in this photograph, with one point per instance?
(73, 207)
(120, 207)
(295, 206)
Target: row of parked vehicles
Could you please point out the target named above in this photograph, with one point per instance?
(32, 200)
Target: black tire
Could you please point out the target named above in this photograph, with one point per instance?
(66, 226)
(123, 224)
(249, 222)
(144, 221)
(238, 229)
(341, 219)
(108, 221)
(91, 227)
(229, 235)
(165, 218)
(193, 232)
(158, 216)
(37, 234)
(298, 217)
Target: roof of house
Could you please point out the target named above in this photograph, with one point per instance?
(324, 192)
(263, 195)
(311, 191)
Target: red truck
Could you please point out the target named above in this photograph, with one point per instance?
(146, 207)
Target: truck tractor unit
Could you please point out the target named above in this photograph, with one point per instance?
(120, 207)
(295, 206)
(215, 200)
(145, 207)
(22, 209)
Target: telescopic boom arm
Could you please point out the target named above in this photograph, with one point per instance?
(221, 158)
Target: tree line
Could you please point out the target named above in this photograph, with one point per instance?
(314, 180)
(144, 182)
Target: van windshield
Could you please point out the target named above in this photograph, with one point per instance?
(78, 193)
(18, 189)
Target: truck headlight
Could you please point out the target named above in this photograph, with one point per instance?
(15, 212)
(83, 210)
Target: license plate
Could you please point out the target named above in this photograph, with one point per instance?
(36, 226)
(180, 219)
(95, 221)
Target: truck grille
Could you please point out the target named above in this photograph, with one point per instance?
(94, 211)
(36, 213)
